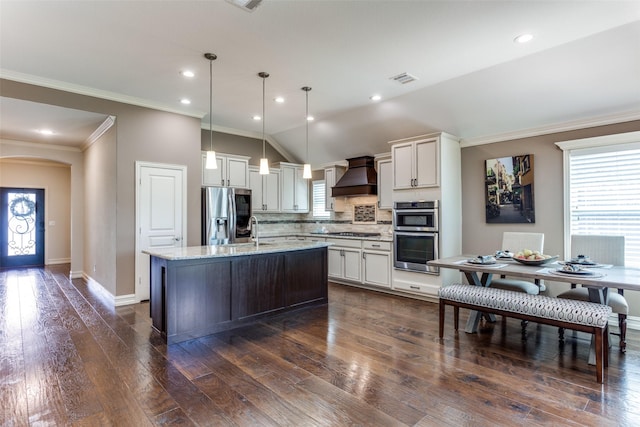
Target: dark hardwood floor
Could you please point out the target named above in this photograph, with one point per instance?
(366, 359)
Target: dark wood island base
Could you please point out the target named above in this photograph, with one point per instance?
(198, 296)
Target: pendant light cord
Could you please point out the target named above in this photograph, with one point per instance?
(263, 118)
(307, 122)
(211, 57)
(211, 104)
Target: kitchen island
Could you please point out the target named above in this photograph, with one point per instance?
(201, 290)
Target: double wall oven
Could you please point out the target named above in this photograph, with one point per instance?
(415, 235)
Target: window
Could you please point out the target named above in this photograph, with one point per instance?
(319, 189)
(602, 179)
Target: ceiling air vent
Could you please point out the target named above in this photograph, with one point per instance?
(248, 5)
(404, 78)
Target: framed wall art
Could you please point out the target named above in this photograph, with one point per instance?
(509, 190)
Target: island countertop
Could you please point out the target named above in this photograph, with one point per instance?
(231, 250)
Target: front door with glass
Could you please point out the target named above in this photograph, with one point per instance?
(21, 227)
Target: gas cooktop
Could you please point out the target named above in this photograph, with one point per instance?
(352, 234)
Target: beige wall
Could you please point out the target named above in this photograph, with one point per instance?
(55, 179)
(242, 145)
(478, 237)
(100, 210)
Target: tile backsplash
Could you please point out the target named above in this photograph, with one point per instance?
(338, 221)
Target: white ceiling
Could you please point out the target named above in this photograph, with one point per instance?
(473, 81)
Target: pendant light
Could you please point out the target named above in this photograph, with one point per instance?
(264, 162)
(211, 162)
(306, 171)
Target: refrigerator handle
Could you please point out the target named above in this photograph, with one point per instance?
(232, 215)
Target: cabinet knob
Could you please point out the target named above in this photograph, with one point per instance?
(414, 287)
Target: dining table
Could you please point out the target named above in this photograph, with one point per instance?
(598, 279)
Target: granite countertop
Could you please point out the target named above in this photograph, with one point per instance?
(238, 249)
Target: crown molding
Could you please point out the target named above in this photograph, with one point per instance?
(105, 126)
(557, 128)
(601, 141)
(96, 93)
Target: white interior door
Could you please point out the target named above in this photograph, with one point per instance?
(160, 217)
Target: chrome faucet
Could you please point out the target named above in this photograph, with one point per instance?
(254, 234)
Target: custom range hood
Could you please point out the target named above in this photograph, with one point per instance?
(360, 179)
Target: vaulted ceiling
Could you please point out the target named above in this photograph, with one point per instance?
(472, 80)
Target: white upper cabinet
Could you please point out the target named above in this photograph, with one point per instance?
(385, 184)
(416, 163)
(232, 171)
(331, 176)
(265, 190)
(294, 190)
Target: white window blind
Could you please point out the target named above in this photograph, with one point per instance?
(319, 189)
(604, 194)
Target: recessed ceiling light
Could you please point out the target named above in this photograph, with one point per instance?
(523, 38)
(257, 118)
(45, 131)
(185, 101)
(279, 99)
(375, 97)
(187, 73)
(310, 118)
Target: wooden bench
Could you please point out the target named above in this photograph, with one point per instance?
(569, 314)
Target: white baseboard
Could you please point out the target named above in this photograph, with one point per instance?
(97, 287)
(125, 300)
(76, 274)
(116, 301)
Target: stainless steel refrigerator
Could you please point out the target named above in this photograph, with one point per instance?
(226, 213)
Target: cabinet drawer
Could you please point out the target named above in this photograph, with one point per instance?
(426, 289)
(345, 243)
(376, 246)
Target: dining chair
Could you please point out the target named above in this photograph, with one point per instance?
(514, 242)
(603, 250)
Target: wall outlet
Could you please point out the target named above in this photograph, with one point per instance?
(94, 268)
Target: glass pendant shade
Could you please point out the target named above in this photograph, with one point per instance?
(264, 166)
(306, 171)
(211, 162)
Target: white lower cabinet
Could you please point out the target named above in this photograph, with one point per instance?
(360, 261)
(344, 263)
(376, 263)
(344, 259)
